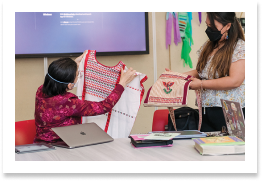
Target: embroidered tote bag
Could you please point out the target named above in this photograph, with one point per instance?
(171, 90)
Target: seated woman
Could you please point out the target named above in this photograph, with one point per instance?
(56, 107)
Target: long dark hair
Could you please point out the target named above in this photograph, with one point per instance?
(63, 70)
(221, 61)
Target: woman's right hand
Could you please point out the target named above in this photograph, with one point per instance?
(127, 76)
(167, 69)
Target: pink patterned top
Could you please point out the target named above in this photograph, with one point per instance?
(67, 109)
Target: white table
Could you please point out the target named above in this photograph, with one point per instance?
(122, 150)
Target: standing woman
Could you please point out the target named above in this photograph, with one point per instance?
(220, 71)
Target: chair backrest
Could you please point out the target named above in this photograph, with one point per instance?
(24, 132)
(160, 119)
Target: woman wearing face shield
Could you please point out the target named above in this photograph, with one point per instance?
(56, 107)
(220, 71)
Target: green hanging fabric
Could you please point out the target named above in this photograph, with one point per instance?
(186, 49)
(189, 32)
(185, 28)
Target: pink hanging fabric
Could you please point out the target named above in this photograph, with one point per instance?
(168, 29)
(177, 37)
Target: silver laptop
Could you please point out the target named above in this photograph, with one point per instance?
(81, 135)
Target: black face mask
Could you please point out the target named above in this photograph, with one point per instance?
(213, 35)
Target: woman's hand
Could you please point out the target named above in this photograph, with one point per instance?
(167, 69)
(195, 84)
(127, 76)
(78, 59)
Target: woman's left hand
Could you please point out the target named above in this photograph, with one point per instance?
(195, 84)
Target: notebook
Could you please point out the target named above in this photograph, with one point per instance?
(81, 135)
(234, 118)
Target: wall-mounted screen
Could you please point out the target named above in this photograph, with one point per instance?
(53, 34)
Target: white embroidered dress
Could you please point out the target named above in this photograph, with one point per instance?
(96, 82)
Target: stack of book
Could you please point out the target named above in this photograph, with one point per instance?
(219, 145)
(152, 140)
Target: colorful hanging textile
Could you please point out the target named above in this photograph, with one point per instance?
(95, 84)
(190, 24)
(177, 38)
(185, 29)
(168, 28)
(171, 90)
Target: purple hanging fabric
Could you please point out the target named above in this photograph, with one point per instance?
(177, 37)
(168, 30)
(199, 17)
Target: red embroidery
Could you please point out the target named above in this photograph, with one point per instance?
(166, 100)
(134, 88)
(100, 80)
(168, 85)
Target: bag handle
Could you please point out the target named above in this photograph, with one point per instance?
(199, 105)
(172, 115)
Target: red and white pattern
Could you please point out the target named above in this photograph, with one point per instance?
(176, 94)
(171, 90)
(166, 100)
(96, 83)
(100, 80)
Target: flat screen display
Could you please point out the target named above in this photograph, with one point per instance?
(52, 34)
